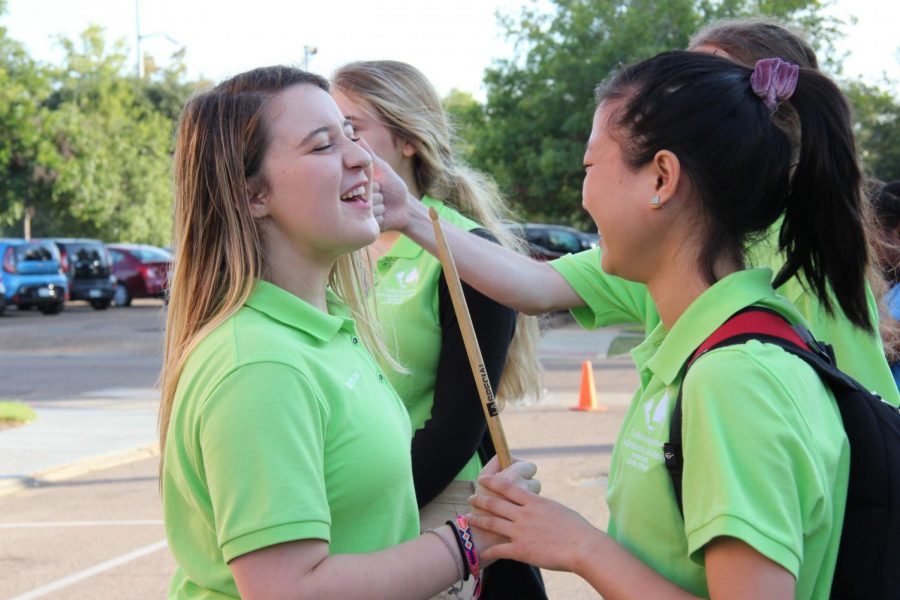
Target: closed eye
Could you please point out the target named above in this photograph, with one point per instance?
(351, 131)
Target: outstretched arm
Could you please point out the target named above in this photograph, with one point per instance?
(515, 280)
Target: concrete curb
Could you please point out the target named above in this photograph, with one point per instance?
(78, 467)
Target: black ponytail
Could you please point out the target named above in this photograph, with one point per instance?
(823, 235)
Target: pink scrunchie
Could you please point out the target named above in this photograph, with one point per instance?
(774, 80)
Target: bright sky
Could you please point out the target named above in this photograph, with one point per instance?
(450, 41)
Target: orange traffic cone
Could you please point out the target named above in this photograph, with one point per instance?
(587, 397)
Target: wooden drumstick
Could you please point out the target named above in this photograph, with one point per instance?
(473, 350)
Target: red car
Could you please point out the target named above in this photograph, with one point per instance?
(141, 270)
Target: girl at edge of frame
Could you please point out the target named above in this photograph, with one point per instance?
(397, 111)
(690, 156)
(885, 201)
(577, 282)
(285, 468)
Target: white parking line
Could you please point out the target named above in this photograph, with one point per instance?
(90, 572)
(40, 524)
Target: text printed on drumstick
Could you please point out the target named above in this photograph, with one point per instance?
(488, 391)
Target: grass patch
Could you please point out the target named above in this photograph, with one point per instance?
(15, 413)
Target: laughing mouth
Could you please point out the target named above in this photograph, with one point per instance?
(355, 195)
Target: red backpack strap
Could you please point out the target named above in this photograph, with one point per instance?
(751, 320)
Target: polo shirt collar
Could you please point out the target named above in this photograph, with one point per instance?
(665, 352)
(405, 247)
(286, 308)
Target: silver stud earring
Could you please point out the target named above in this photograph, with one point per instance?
(655, 202)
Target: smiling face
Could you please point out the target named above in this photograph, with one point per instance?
(618, 199)
(313, 203)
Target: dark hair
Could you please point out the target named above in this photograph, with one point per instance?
(738, 159)
(886, 202)
(752, 39)
(884, 198)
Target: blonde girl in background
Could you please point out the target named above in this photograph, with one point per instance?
(394, 107)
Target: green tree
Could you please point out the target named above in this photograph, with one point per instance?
(877, 128)
(85, 143)
(106, 148)
(539, 104)
(23, 88)
(467, 119)
(167, 88)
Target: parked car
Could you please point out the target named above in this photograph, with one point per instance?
(31, 275)
(141, 270)
(589, 240)
(86, 264)
(547, 242)
(2, 298)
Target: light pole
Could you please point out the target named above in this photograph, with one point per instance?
(307, 52)
(139, 67)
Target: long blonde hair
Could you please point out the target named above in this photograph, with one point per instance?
(408, 105)
(221, 141)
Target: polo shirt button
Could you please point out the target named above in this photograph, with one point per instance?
(355, 340)
(380, 377)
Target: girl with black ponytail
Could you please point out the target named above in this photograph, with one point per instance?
(692, 158)
(577, 283)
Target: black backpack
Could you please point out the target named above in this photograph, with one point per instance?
(868, 562)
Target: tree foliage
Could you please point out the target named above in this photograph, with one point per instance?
(466, 118)
(23, 89)
(87, 145)
(532, 130)
(877, 128)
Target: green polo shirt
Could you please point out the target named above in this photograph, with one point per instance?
(283, 428)
(766, 456)
(408, 308)
(610, 300)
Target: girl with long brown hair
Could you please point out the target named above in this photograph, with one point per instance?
(285, 465)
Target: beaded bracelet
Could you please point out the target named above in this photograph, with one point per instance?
(467, 547)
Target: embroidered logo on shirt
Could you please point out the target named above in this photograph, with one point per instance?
(643, 448)
(407, 277)
(654, 415)
(351, 381)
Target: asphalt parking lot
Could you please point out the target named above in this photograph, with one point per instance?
(49, 357)
(99, 534)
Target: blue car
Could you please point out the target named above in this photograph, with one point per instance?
(31, 275)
